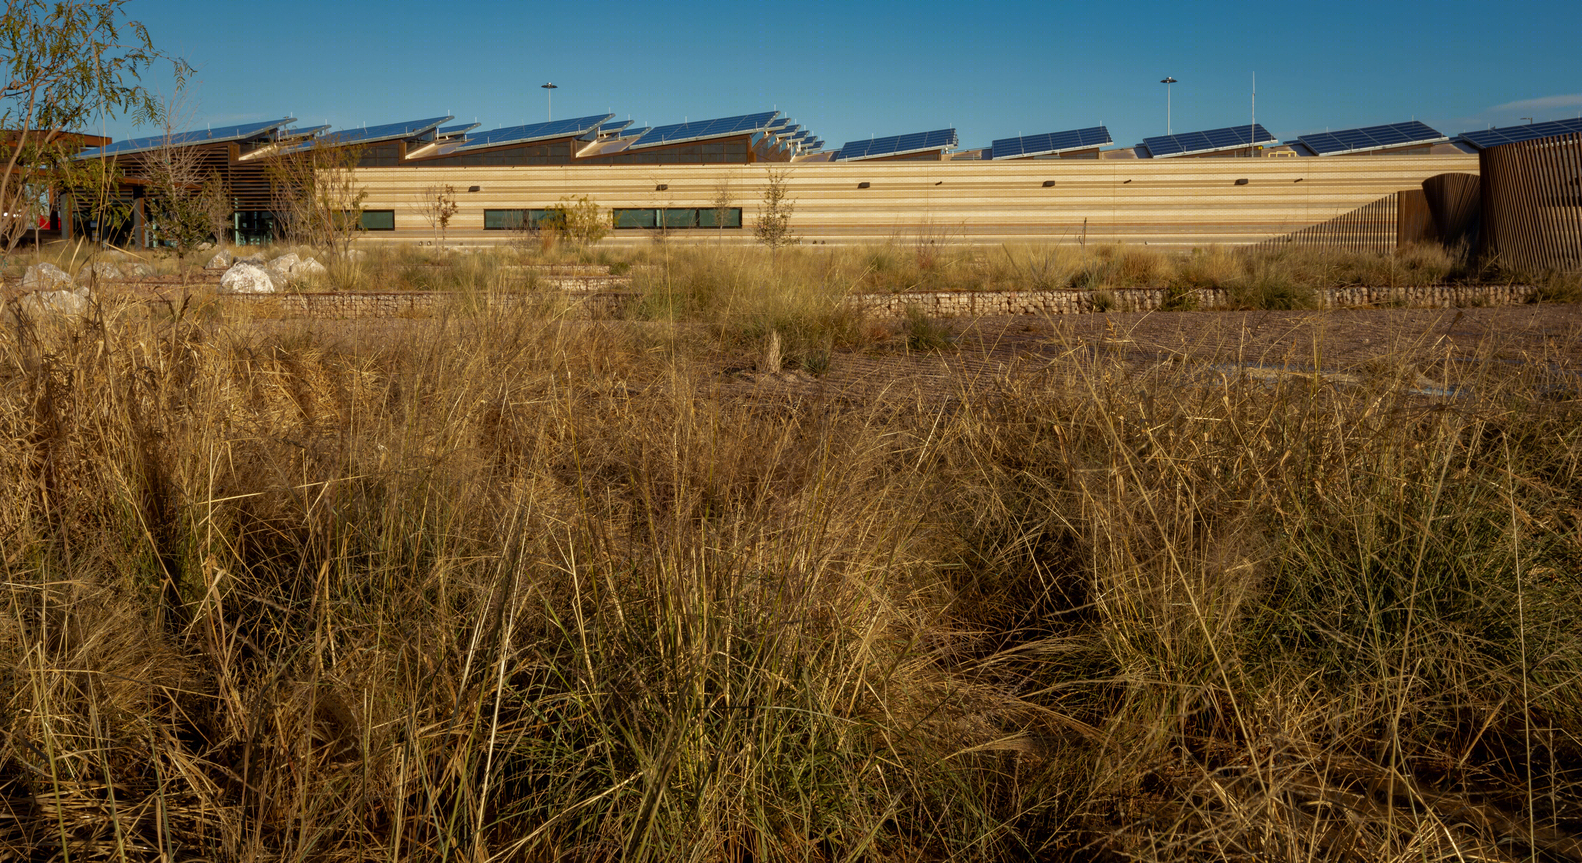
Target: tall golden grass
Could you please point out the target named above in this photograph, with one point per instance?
(522, 588)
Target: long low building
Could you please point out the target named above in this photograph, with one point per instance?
(1233, 185)
(1168, 202)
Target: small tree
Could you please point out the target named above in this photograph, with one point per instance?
(317, 196)
(722, 204)
(63, 63)
(215, 203)
(580, 221)
(773, 228)
(177, 209)
(439, 207)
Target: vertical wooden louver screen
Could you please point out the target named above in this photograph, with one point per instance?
(1369, 228)
(1532, 203)
(1455, 201)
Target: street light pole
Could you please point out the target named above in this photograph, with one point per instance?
(549, 96)
(1167, 81)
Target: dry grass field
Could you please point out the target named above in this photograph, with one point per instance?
(750, 577)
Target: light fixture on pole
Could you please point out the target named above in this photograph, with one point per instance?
(549, 97)
(1167, 81)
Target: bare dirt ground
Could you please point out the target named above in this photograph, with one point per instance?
(1445, 346)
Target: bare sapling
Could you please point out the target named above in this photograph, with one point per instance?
(439, 207)
(773, 228)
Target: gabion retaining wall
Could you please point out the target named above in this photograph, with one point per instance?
(414, 304)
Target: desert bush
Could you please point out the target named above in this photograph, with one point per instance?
(1423, 264)
(1559, 286)
(924, 333)
(580, 222)
(745, 294)
(1214, 267)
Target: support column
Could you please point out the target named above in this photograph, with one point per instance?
(68, 216)
(139, 219)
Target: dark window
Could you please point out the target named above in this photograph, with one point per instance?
(378, 220)
(733, 217)
(511, 220)
(676, 218)
(636, 218)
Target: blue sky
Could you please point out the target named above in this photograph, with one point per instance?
(856, 70)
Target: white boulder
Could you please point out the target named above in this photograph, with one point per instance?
(44, 303)
(285, 262)
(256, 259)
(46, 277)
(245, 278)
(137, 270)
(222, 260)
(309, 268)
(104, 271)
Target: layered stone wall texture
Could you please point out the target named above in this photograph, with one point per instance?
(595, 303)
(954, 304)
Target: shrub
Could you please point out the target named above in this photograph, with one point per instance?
(924, 333)
(579, 221)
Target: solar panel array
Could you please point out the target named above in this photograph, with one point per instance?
(452, 131)
(536, 132)
(1214, 139)
(897, 145)
(1370, 138)
(1511, 134)
(612, 128)
(206, 136)
(1053, 142)
(678, 133)
(370, 134)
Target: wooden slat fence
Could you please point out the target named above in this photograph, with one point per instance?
(1532, 203)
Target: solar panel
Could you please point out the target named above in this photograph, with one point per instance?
(536, 132)
(1053, 142)
(1228, 138)
(206, 136)
(1370, 138)
(1487, 138)
(370, 134)
(612, 128)
(452, 131)
(897, 145)
(635, 133)
(682, 132)
(305, 132)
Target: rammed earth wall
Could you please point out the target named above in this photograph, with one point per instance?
(416, 304)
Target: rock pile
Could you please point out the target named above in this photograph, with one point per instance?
(252, 275)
